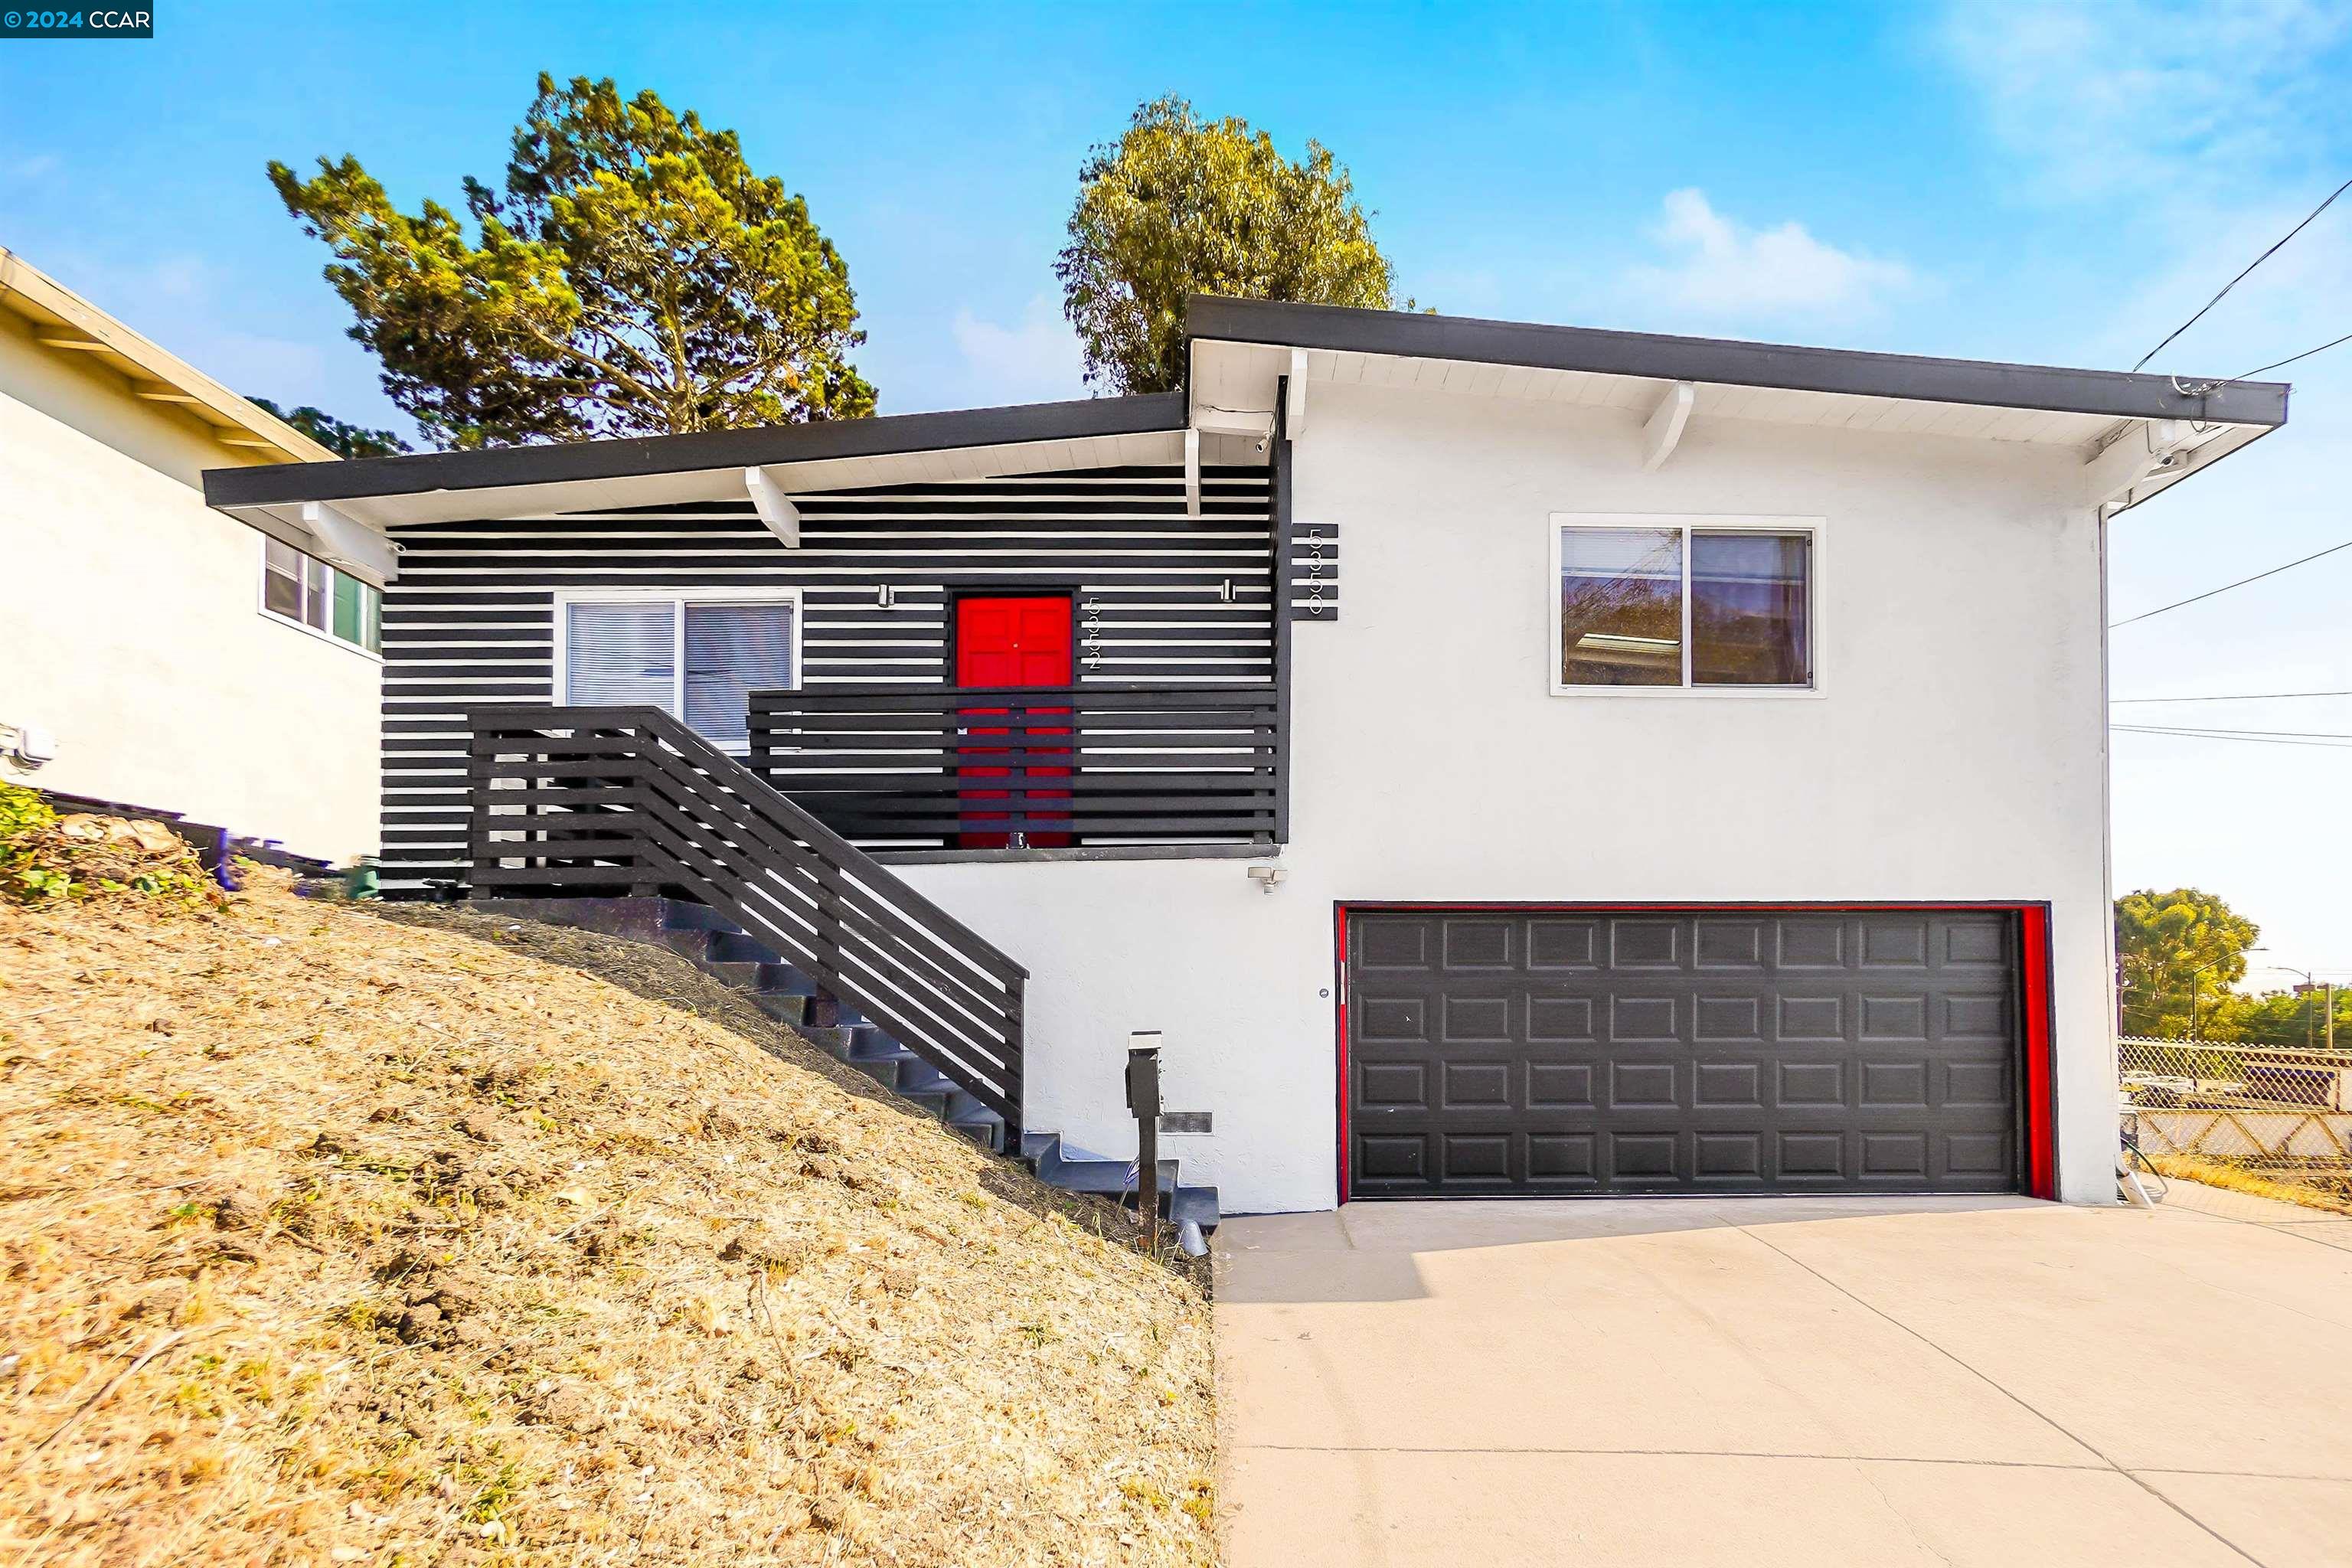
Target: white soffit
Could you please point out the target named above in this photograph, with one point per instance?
(954, 465)
(1242, 375)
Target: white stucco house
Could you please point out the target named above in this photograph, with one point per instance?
(1500, 759)
(153, 653)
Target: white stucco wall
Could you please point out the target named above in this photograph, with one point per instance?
(1958, 752)
(131, 628)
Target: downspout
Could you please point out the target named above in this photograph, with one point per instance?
(2107, 856)
(1280, 460)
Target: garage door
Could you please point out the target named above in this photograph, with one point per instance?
(1529, 1052)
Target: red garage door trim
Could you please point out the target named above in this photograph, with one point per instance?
(2039, 1131)
(2040, 1085)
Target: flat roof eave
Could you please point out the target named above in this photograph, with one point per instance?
(508, 468)
(2117, 395)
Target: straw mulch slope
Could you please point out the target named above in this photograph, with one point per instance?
(328, 1239)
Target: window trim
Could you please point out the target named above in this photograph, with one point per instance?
(324, 634)
(1816, 529)
(680, 598)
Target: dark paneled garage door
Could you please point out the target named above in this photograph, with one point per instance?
(1744, 1050)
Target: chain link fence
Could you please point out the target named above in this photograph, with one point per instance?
(2248, 1116)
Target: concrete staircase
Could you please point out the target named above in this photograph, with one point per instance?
(720, 949)
(706, 940)
(1062, 1165)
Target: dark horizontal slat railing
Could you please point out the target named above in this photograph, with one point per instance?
(935, 766)
(585, 800)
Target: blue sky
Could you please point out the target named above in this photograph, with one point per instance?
(2041, 183)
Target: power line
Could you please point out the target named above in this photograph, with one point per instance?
(2230, 697)
(2241, 278)
(2216, 735)
(2221, 729)
(2207, 388)
(2276, 365)
(2227, 587)
(2245, 741)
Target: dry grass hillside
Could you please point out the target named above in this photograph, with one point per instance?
(330, 1240)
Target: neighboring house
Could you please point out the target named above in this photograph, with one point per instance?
(1695, 781)
(152, 652)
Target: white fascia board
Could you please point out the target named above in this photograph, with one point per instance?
(1663, 432)
(774, 507)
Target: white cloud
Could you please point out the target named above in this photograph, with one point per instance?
(2135, 96)
(179, 276)
(1722, 268)
(2164, 147)
(1034, 360)
(2179, 145)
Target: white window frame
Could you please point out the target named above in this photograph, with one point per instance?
(1816, 529)
(325, 634)
(680, 598)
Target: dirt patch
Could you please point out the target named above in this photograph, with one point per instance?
(329, 1239)
(660, 975)
(2314, 1187)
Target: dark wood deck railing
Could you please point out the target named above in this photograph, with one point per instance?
(933, 767)
(581, 801)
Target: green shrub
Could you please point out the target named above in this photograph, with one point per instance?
(24, 818)
(41, 860)
(22, 812)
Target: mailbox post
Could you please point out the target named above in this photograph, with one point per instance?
(1143, 1101)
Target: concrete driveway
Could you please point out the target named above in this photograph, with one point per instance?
(1807, 1381)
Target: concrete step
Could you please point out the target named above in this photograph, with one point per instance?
(838, 1039)
(1065, 1165)
(1107, 1176)
(1198, 1205)
(721, 948)
(784, 1007)
(906, 1072)
(688, 944)
(732, 946)
(677, 916)
(868, 1041)
(914, 1072)
(784, 978)
(984, 1128)
(933, 1101)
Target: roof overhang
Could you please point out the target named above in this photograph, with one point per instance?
(2134, 434)
(795, 459)
(67, 324)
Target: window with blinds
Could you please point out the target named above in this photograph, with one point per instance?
(732, 651)
(619, 656)
(700, 659)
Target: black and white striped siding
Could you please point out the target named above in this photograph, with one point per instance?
(1159, 597)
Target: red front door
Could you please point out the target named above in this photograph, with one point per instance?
(1000, 643)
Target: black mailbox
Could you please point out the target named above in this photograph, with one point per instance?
(1143, 1082)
